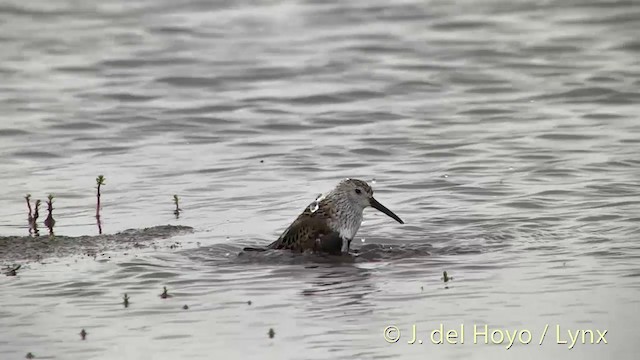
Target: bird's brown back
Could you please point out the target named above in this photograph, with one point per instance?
(311, 231)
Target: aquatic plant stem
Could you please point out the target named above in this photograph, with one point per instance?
(176, 200)
(50, 222)
(30, 217)
(100, 181)
(36, 215)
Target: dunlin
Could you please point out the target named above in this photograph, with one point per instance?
(331, 221)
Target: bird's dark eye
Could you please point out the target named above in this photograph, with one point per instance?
(358, 191)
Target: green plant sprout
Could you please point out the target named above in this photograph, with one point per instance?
(36, 215)
(165, 293)
(28, 199)
(100, 180)
(50, 222)
(176, 200)
(445, 277)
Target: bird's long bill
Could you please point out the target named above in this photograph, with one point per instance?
(376, 205)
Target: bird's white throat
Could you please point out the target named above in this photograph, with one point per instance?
(348, 227)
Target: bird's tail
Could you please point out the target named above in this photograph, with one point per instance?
(255, 249)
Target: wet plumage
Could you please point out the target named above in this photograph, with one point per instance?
(331, 221)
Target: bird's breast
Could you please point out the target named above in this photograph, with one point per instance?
(348, 233)
(347, 229)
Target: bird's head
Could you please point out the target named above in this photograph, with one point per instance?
(360, 195)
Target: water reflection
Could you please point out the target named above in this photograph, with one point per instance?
(339, 291)
(509, 138)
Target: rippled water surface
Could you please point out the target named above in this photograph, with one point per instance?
(504, 133)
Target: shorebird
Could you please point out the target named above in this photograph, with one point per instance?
(331, 221)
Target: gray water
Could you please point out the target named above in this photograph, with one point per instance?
(504, 133)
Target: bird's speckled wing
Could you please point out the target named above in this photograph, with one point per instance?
(311, 231)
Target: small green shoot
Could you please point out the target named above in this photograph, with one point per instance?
(36, 215)
(165, 293)
(100, 180)
(176, 201)
(50, 222)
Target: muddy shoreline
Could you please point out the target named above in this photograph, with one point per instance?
(15, 249)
